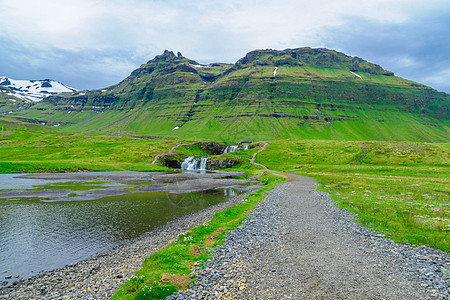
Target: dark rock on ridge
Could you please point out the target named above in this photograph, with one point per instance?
(5, 82)
(46, 84)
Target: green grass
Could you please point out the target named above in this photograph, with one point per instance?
(40, 149)
(37, 150)
(447, 273)
(399, 189)
(196, 245)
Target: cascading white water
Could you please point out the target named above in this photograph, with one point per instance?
(230, 149)
(185, 162)
(245, 147)
(203, 163)
(191, 164)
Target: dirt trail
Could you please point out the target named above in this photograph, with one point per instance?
(252, 161)
(170, 152)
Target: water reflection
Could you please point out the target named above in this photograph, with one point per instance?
(37, 236)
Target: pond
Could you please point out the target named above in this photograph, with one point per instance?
(49, 223)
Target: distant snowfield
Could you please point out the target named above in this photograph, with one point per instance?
(33, 90)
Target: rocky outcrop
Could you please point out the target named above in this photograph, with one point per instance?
(212, 148)
(214, 164)
(172, 161)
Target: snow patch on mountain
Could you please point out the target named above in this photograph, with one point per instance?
(198, 66)
(356, 75)
(33, 90)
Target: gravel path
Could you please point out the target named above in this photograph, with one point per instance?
(297, 245)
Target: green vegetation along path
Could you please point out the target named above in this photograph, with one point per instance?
(298, 245)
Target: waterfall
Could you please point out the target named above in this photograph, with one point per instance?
(191, 164)
(230, 149)
(245, 147)
(203, 163)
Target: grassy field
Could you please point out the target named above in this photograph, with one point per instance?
(26, 148)
(399, 189)
(39, 149)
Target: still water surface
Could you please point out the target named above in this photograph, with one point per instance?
(38, 236)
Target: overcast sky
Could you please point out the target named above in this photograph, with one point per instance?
(91, 44)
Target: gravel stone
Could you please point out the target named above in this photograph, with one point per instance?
(297, 245)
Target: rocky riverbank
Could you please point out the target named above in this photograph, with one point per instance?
(101, 276)
(298, 245)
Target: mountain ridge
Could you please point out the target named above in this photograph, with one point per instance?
(292, 93)
(312, 56)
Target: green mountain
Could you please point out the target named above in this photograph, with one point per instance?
(268, 94)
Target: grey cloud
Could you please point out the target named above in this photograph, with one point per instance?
(86, 69)
(115, 37)
(417, 50)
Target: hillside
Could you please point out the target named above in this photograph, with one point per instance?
(268, 94)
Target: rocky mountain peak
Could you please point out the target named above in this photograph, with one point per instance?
(310, 56)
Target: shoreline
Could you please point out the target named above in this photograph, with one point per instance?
(100, 276)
